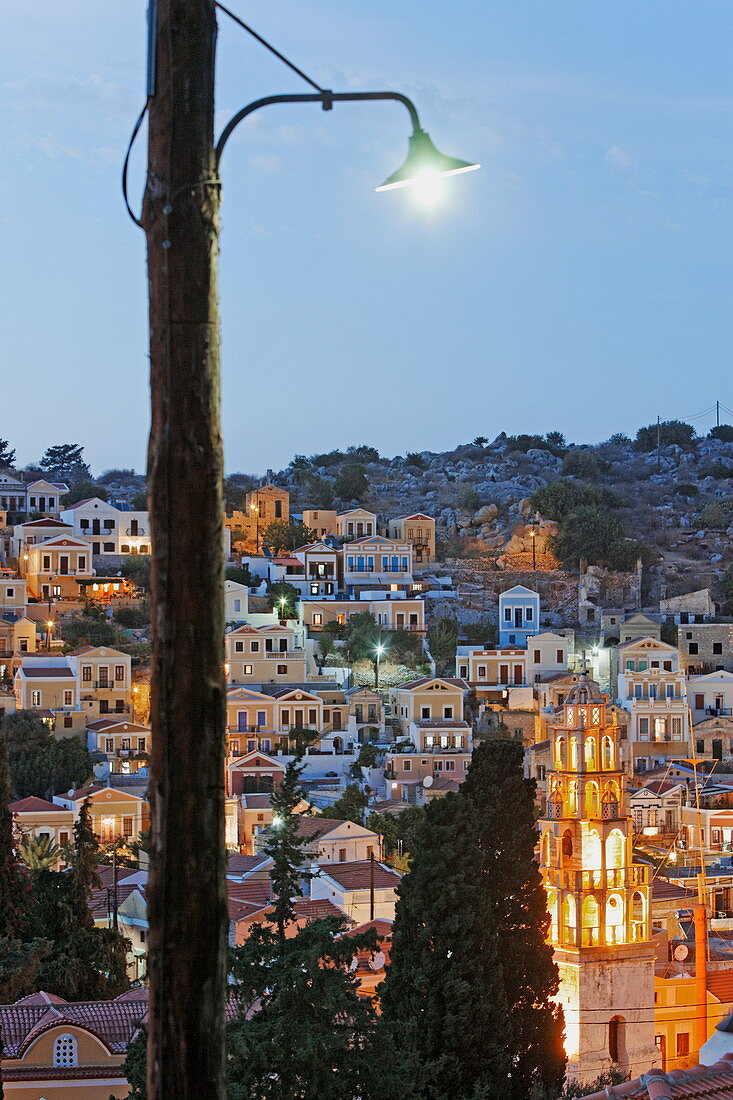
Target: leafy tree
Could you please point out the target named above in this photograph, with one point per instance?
(136, 1065)
(555, 439)
(581, 463)
(88, 627)
(118, 477)
(482, 632)
(280, 591)
(19, 966)
(133, 618)
(444, 1007)
(618, 439)
(724, 432)
(351, 482)
(363, 453)
(685, 490)
(325, 644)
(593, 533)
(284, 536)
(519, 907)
(350, 806)
(717, 514)
(241, 575)
(718, 470)
(136, 568)
(668, 432)
(7, 454)
(86, 963)
(414, 458)
(40, 764)
(362, 635)
(285, 846)
(386, 826)
(139, 502)
(560, 497)
(82, 490)
(319, 489)
(443, 639)
(480, 441)
(468, 499)
(236, 487)
(66, 461)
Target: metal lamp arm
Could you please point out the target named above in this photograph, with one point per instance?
(326, 99)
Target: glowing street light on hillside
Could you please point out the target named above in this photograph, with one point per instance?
(380, 648)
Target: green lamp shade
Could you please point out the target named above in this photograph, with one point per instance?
(423, 159)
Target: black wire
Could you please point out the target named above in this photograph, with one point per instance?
(266, 44)
(126, 162)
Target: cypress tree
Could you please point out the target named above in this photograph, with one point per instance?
(14, 886)
(503, 802)
(443, 1001)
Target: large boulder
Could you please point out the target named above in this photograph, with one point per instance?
(487, 514)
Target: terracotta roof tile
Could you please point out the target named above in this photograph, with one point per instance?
(357, 875)
(34, 805)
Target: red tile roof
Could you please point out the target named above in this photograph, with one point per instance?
(312, 827)
(316, 909)
(34, 672)
(357, 876)
(410, 684)
(720, 984)
(698, 1083)
(34, 805)
(242, 864)
(115, 1022)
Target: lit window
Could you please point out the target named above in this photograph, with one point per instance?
(248, 670)
(317, 619)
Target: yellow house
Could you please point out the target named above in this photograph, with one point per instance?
(418, 529)
(13, 596)
(125, 744)
(59, 1050)
(676, 1012)
(114, 813)
(55, 567)
(36, 817)
(377, 562)
(105, 677)
(17, 636)
(263, 655)
(357, 523)
(251, 722)
(392, 614)
(320, 520)
(48, 686)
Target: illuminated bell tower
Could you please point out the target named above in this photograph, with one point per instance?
(597, 897)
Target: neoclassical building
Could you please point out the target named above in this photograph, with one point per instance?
(598, 898)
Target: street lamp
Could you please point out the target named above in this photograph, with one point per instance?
(533, 536)
(379, 649)
(49, 628)
(282, 603)
(256, 509)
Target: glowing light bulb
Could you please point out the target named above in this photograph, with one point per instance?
(428, 188)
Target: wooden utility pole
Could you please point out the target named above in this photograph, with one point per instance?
(187, 903)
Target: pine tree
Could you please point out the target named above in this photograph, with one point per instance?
(302, 1033)
(504, 812)
(7, 454)
(443, 1003)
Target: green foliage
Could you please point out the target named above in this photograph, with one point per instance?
(7, 454)
(519, 903)
(19, 966)
(133, 618)
(78, 629)
(396, 828)
(82, 490)
(718, 470)
(668, 432)
(668, 632)
(240, 574)
(480, 441)
(414, 458)
(284, 536)
(38, 852)
(139, 502)
(553, 442)
(118, 477)
(468, 499)
(285, 846)
(444, 1007)
(65, 461)
(573, 1088)
(350, 806)
(583, 463)
(319, 489)
(325, 644)
(685, 490)
(309, 1024)
(136, 1065)
(14, 884)
(351, 482)
(236, 487)
(717, 515)
(41, 764)
(724, 432)
(280, 591)
(363, 453)
(619, 439)
(136, 567)
(401, 644)
(726, 581)
(592, 533)
(361, 635)
(368, 755)
(443, 639)
(555, 439)
(560, 497)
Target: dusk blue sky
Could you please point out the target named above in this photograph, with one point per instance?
(581, 281)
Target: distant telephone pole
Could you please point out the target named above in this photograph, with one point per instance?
(186, 897)
(659, 450)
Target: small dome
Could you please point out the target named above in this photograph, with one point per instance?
(584, 692)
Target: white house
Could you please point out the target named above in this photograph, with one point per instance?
(351, 887)
(110, 530)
